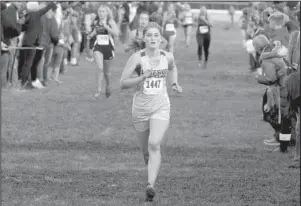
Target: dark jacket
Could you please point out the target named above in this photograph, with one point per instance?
(33, 25)
(10, 26)
(49, 32)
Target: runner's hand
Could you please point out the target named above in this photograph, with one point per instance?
(177, 88)
(147, 74)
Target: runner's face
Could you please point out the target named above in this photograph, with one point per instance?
(102, 13)
(152, 38)
(143, 20)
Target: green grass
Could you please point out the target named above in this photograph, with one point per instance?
(61, 146)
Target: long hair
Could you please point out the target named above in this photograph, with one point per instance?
(108, 10)
(203, 10)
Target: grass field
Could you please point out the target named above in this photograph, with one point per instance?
(60, 146)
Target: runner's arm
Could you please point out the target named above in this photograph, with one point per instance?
(127, 81)
(173, 68)
(113, 29)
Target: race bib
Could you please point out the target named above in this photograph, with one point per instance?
(203, 29)
(170, 27)
(103, 39)
(189, 20)
(153, 85)
(285, 137)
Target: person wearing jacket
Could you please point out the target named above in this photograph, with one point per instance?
(277, 30)
(273, 76)
(33, 28)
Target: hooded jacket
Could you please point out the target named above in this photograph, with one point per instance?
(274, 70)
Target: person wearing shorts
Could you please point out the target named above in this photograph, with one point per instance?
(151, 105)
(169, 30)
(104, 29)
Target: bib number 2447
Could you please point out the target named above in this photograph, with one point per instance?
(153, 85)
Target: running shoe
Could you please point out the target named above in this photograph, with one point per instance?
(150, 193)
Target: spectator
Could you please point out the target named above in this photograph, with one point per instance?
(293, 96)
(48, 38)
(277, 30)
(292, 24)
(61, 46)
(33, 28)
(274, 70)
(3, 46)
(294, 50)
(11, 29)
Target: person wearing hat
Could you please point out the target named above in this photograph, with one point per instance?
(274, 74)
(277, 31)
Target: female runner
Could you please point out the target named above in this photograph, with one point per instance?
(169, 30)
(203, 36)
(151, 105)
(104, 30)
(187, 22)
